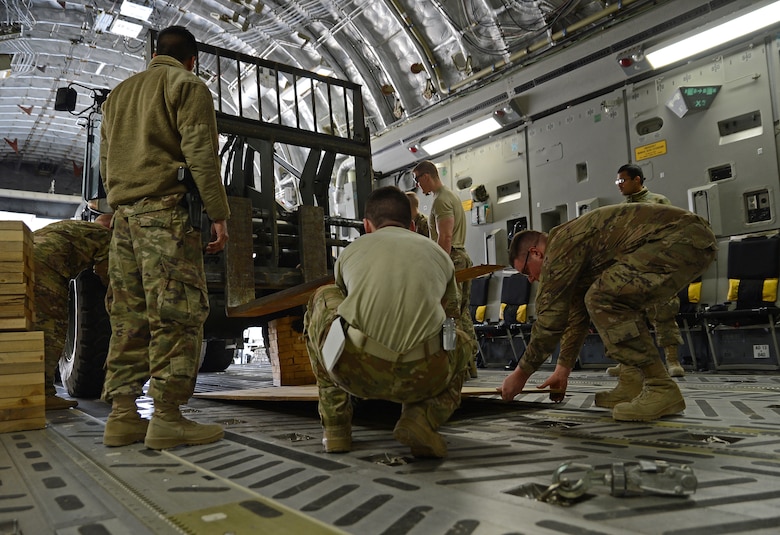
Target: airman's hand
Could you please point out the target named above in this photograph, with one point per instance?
(220, 233)
(513, 384)
(559, 380)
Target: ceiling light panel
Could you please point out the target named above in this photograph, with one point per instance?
(135, 11)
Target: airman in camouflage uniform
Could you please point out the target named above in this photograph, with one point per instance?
(630, 181)
(420, 221)
(155, 123)
(62, 250)
(390, 308)
(608, 266)
(448, 229)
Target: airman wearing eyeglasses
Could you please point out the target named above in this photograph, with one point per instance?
(630, 181)
(447, 227)
(607, 266)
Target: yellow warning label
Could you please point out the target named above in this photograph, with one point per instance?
(650, 151)
(467, 204)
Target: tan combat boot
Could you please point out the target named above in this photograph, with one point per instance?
(54, 403)
(337, 439)
(414, 430)
(629, 386)
(169, 429)
(660, 397)
(672, 362)
(124, 425)
(614, 371)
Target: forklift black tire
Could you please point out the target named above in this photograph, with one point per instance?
(217, 355)
(86, 343)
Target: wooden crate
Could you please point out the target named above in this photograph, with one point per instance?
(290, 364)
(17, 277)
(22, 394)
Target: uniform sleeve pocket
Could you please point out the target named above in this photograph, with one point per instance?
(184, 298)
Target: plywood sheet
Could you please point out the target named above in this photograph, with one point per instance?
(299, 295)
(309, 393)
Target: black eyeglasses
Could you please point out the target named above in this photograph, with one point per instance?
(525, 265)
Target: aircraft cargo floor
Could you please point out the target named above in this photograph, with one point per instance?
(270, 475)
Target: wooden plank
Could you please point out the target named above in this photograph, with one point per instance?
(13, 256)
(14, 225)
(25, 266)
(17, 277)
(21, 341)
(16, 324)
(15, 311)
(239, 264)
(15, 300)
(300, 294)
(311, 221)
(17, 289)
(7, 235)
(278, 301)
(20, 246)
(24, 390)
(23, 425)
(21, 357)
(24, 402)
(27, 379)
(21, 367)
(309, 393)
(473, 272)
(23, 413)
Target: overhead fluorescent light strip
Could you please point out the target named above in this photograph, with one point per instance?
(717, 35)
(471, 132)
(126, 28)
(135, 11)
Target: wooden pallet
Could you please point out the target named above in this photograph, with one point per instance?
(22, 395)
(309, 393)
(16, 276)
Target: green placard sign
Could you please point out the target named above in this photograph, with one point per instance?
(699, 97)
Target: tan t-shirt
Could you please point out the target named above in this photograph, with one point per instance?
(446, 204)
(394, 280)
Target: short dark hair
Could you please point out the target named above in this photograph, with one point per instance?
(521, 242)
(388, 206)
(633, 171)
(177, 42)
(427, 166)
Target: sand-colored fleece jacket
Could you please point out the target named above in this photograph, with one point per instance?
(153, 123)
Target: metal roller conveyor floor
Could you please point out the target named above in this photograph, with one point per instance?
(270, 475)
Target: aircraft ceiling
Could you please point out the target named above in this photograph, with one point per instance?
(409, 56)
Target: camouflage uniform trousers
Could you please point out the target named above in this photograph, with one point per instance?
(667, 332)
(652, 275)
(51, 317)
(157, 301)
(461, 260)
(432, 384)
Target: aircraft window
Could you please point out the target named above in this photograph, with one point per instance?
(649, 126)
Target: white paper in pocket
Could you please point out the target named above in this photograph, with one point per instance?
(334, 344)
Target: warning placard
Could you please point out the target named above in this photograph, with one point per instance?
(649, 151)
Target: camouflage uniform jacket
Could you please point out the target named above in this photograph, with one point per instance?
(576, 254)
(71, 246)
(141, 158)
(421, 225)
(645, 195)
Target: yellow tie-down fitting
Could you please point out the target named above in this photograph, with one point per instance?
(626, 479)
